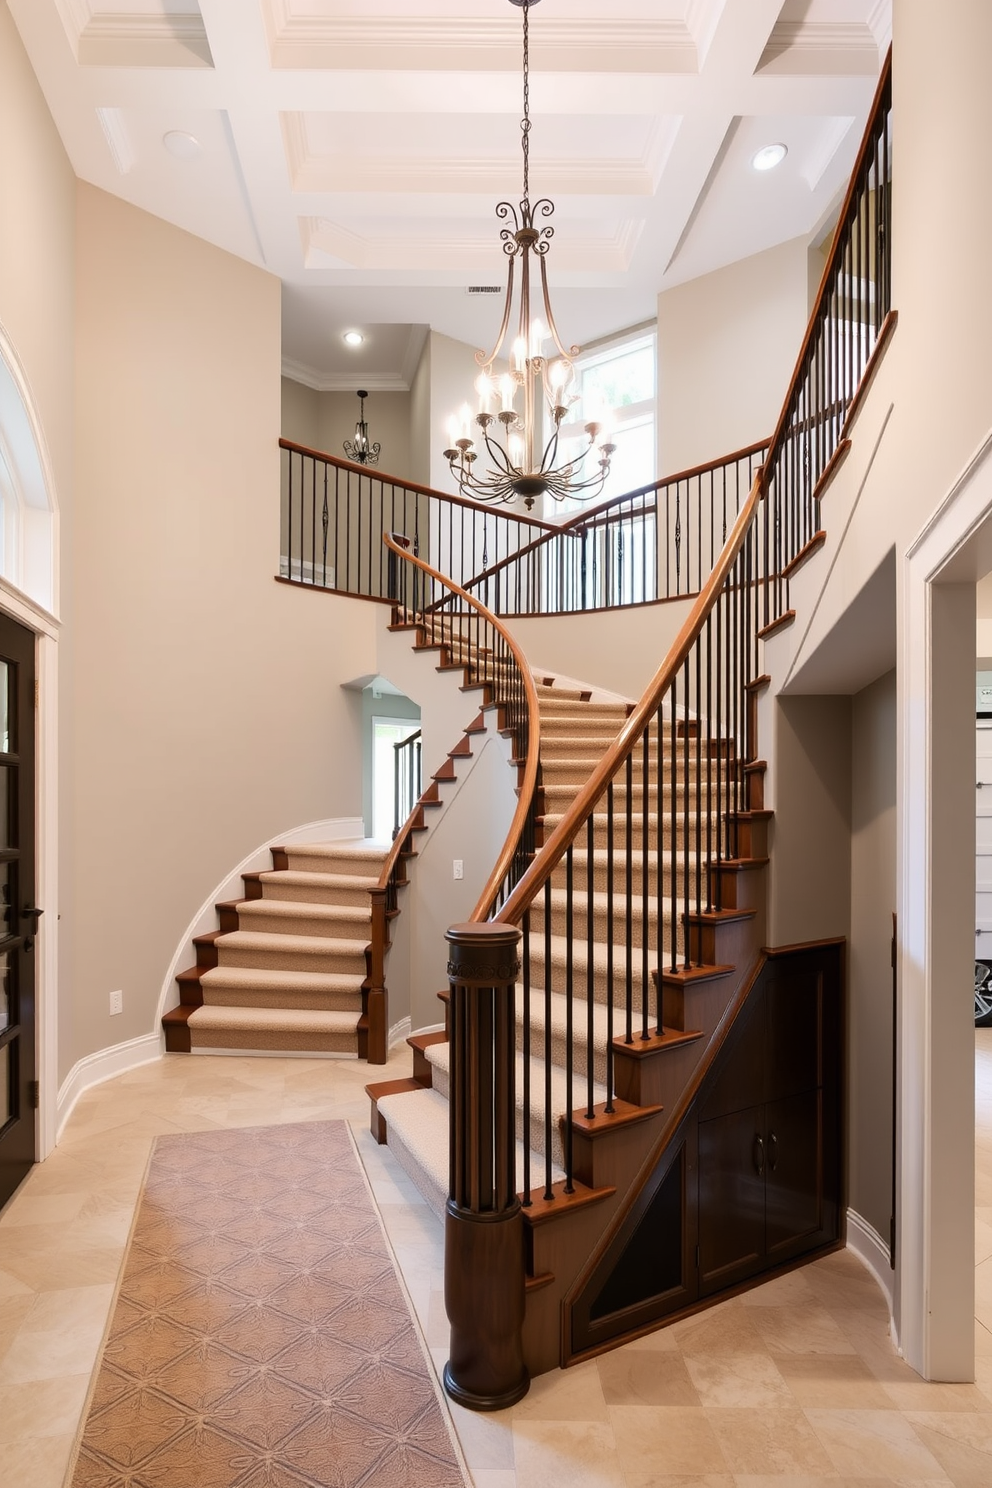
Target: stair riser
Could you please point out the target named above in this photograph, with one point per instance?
(602, 991)
(357, 898)
(344, 864)
(310, 1002)
(275, 1041)
(580, 923)
(341, 963)
(261, 922)
(670, 840)
(536, 1134)
(580, 1045)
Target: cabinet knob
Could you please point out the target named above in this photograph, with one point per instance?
(759, 1155)
(772, 1151)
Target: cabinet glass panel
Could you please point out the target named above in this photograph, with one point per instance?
(6, 1084)
(6, 720)
(8, 900)
(8, 1009)
(7, 783)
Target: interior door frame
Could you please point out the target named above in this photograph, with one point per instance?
(46, 632)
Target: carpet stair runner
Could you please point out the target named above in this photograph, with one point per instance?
(286, 971)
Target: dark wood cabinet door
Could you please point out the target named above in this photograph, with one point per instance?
(793, 1175)
(731, 1199)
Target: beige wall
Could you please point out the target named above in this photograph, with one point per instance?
(323, 421)
(873, 901)
(727, 343)
(208, 714)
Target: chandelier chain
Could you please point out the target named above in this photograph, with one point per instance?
(525, 121)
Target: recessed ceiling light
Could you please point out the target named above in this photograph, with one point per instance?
(182, 145)
(353, 338)
(769, 157)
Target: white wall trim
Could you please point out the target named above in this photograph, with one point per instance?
(335, 829)
(864, 1241)
(935, 1277)
(399, 1032)
(104, 1065)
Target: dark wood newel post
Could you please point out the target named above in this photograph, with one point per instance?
(376, 998)
(484, 1233)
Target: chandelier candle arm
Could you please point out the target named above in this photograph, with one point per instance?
(512, 438)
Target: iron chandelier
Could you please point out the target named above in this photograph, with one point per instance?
(522, 461)
(360, 449)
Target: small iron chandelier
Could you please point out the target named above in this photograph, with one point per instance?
(522, 462)
(360, 449)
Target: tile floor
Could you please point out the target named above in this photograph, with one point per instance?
(794, 1384)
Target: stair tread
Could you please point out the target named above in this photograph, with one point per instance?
(259, 980)
(292, 1020)
(300, 878)
(264, 940)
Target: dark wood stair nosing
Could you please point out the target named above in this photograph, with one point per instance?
(541, 1211)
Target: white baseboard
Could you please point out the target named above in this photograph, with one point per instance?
(871, 1250)
(399, 1032)
(104, 1065)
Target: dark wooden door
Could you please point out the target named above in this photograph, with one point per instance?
(731, 1198)
(18, 915)
(793, 1175)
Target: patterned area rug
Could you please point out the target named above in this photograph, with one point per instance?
(261, 1337)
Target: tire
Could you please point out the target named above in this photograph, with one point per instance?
(983, 994)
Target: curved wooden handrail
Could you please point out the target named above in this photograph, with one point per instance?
(830, 267)
(525, 794)
(407, 485)
(554, 849)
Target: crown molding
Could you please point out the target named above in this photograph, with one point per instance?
(443, 43)
(323, 382)
(118, 139)
(401, 175)
(134, 39)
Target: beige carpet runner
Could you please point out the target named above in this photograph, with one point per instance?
(261, 1337)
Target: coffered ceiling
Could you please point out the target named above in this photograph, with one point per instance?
(357, 148)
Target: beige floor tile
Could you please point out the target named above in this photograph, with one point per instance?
(792, 1289)
(728, 1328)
(47, 1354)
(778, 1440)
(665, 1440)
(739, 1380)
(43, 1209)
(961, 1443)
(680, 1480)
(799, 1330)
(486, 1439)
(575, 1394)
(835, 1382)
(68, 1308)
(643, 1377)
(493, 1477)
(922, 1395)
(37, 1462)
(577, 1454)
(983, 1336)
(879, 1443)
(42, 1407)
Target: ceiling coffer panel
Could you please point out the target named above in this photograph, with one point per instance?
(136, 33)
(470, 154)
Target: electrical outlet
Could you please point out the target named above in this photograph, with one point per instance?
(458, 868)
(116, 1003)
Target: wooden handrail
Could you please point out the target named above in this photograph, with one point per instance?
(554, 849)
(528, 786)
(830, 267)
(407, 485)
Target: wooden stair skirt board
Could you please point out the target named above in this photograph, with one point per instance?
(287, 970)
